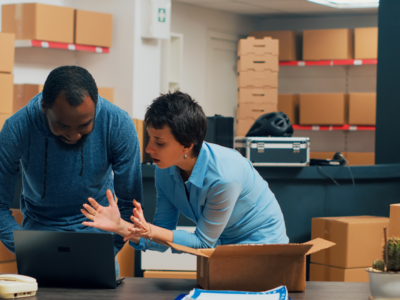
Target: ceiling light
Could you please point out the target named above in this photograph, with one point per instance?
(348, 3)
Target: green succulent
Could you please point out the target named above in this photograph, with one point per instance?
(393, 257)
(379, 265)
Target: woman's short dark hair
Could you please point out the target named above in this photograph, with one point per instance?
(183, 115)
(75, 82)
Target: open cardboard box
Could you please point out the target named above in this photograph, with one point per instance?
(253, 267)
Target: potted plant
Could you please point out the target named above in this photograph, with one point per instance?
(384, 276)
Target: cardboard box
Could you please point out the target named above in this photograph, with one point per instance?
(3, 118)
(258, 62)
(289, 105)
(243, 126)
(366, 43)
(169, 274)
(323, 109)
(350, 234)
(322, 155)
(360, 158)
(126, 261)
(139, 125)
(289, 43)
(34, 21)
(23, 93)
(327, 44)
(9, 267)
(6, 93)
(258, 79)
(328, 273)
(254, 110)
(394, 223)
(93, 28)
(7, 52)
(362, 109)
(253, 267)
(258, 95)
(106, 93)
(252, 45)
(5, 254)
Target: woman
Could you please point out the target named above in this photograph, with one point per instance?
(213, 186)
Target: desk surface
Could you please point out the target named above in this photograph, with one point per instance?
(168, 289)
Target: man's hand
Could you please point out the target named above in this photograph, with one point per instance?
(105, 218)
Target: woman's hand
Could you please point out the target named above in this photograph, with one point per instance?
(105, 218)
(140, 228)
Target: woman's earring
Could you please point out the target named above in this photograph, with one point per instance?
(185, 156)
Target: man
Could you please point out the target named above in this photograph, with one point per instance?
(72, 144)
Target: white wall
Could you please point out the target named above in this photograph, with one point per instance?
(196, 24)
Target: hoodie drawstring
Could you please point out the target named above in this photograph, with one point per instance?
(45, 168)
(80, 174)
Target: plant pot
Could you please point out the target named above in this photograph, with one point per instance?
(384, 285)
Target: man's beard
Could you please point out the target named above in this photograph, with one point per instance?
(70, 147)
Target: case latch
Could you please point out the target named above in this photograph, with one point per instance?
(296, 147)
(260, 147)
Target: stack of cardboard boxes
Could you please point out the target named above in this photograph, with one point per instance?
(358, 241)
(289, 43)
(258, 66)
(7, 53)
(34, 21)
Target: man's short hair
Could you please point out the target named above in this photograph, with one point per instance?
(75, 82)
(183, 115)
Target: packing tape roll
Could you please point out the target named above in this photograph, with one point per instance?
(327, 236)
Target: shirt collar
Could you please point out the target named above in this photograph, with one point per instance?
(199, 170)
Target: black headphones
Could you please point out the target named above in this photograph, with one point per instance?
(340, 158)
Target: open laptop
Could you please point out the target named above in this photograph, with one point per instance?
(67, 259)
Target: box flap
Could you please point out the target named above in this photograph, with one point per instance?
(261, 250)
(318, 244)
(198, 252)
(307, 248)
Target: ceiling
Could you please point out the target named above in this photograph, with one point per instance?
(275, 7)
